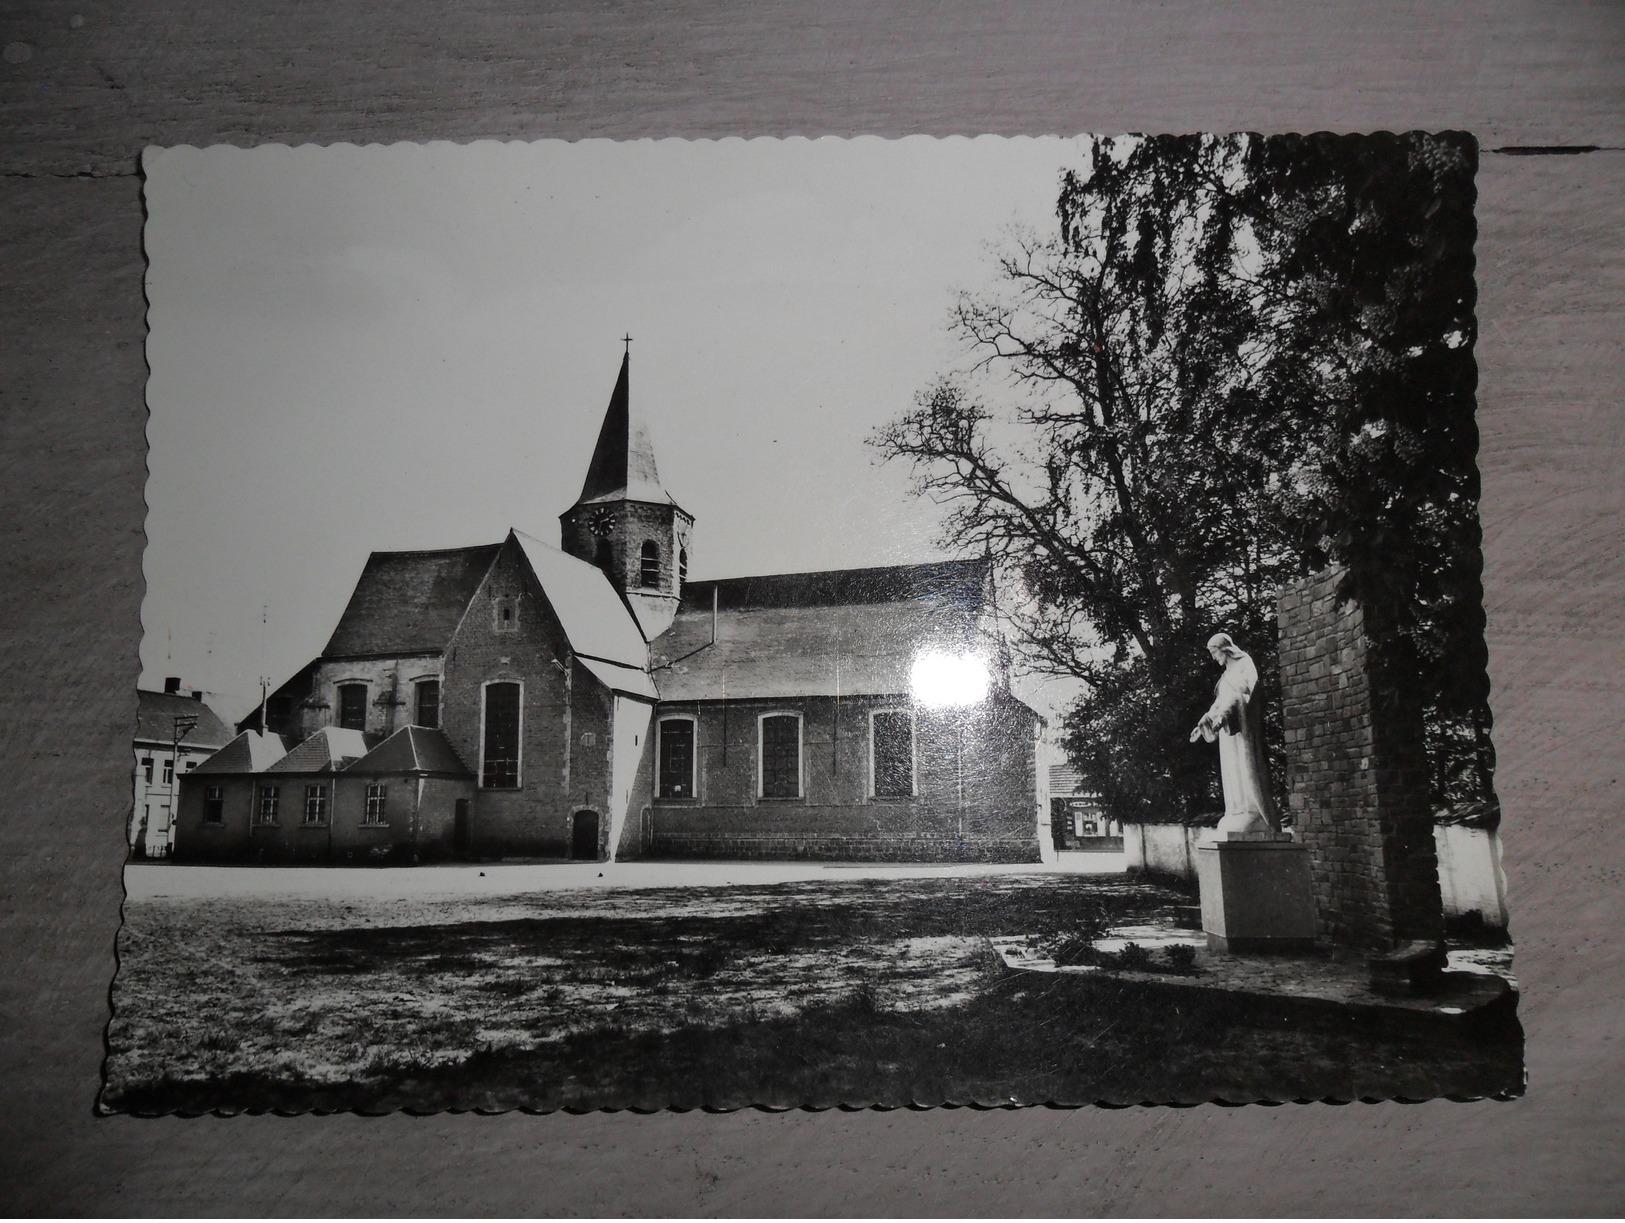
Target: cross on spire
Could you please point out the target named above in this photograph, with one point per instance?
(628, 339)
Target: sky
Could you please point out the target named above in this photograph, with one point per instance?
(412, 346)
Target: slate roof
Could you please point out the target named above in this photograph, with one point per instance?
(957, 582)
(1064, 782)
(155, 720)
(623, 461)
(412, 749)
(249, 752)
(409, 602)
(329, 750)
(595, 618)
(845, 632)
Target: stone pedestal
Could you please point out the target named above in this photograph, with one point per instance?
(1256, 893)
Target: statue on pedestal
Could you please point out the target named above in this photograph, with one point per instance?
(1237, 721)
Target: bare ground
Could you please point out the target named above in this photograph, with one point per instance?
(846, 992)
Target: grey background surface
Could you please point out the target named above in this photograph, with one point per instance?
(84, 86)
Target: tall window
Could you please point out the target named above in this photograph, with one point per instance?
(146, 769)
(499, 765)
(278, 711)
(377, 805)
(682, 565)
(891, 752)
(270, 802)
(316, 803)
(604, 558)
(781, 755)
(169, 772)
(426, 694)
(505, 614)
(353, 706)
(649, 565)
(677, 758)
(214, 805)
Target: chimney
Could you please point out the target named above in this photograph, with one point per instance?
(197, 694)
(172, 685)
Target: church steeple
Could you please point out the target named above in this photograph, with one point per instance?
(623, 462)
(624, 521)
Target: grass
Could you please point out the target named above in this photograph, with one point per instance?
(827, 993)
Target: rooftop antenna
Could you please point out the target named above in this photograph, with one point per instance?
(265, 680)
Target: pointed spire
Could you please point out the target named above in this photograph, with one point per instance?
(623, 462)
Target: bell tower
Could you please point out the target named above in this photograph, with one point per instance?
(624, 521)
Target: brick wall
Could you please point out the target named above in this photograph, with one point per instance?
(1355, 771)
(975, 799)
(565, 722)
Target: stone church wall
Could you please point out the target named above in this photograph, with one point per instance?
(1357, 797)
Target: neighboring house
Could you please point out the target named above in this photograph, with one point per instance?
(175, 732)
(514, 699)
(1077, 818)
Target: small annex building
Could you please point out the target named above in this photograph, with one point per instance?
(590, 702)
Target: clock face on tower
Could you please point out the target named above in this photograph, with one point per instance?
(601, 522)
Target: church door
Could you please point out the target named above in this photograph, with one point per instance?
(584, 836)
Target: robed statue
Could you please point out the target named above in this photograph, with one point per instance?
(1236, 719)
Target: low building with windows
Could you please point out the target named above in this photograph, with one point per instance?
(1078, 819)
(175, 732)
(589, 701)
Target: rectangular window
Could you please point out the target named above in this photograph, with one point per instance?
(377, 806)
(677, 758)
(169, 772)
(315, 804)
(146, 769)
(214, 805)
(270, 803)
(781, 756)
(499, 765)
(353, 706)
(891, 743)
(427, 694)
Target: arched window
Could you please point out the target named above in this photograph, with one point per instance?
(353, 706)
(682, 565)
(674, 773)
(649, 570)
(426, 703)
(778, 757)
(499, 763)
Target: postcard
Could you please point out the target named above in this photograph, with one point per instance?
(809, 623)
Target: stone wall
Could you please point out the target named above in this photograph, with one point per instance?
(1355, 777)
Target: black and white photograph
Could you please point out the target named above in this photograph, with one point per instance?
(811, 623)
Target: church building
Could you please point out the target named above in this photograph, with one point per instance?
(518, 700)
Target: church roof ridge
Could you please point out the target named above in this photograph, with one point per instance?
(959, 580)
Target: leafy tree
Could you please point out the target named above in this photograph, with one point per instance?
(1233, 360)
